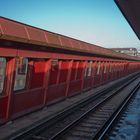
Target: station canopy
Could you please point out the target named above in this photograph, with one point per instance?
(131, 11)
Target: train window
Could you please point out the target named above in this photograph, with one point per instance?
(21, 72)
(98, 68)
(90, 69)
(54, 62)
(22, 65)
(85, 73)
(2, 73)
(105, 68)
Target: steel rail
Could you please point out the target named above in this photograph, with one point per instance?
(103, 133)
(40, 126)
(75, 122)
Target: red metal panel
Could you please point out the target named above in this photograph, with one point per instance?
(59, 68)
(64, 71)
(79, 70)
(52, 38)
(86, 46)
(16, 31)
(83, 72)
(97, 80)
(111, 73)
(0, 30)
(95, 49)
(3, 108)
(27, 100)
(112, 70)
(10, 77)
(36, 36)
(53, 55)
(68, 76)
(81, 45)
(65, 41)
(107, 71)
(120, 69)
(101, 72)
(74, 87)
(90, 47)
(88, 82)
(73, 71)
(115, 70)
(55, 93)
(38, 73)
(46, 78)
(94, 72)
(75, 44)
(53, 74)
(13, 29)
(7, 52)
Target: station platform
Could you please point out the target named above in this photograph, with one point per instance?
(26, 122)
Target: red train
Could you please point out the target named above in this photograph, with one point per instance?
(38, 68)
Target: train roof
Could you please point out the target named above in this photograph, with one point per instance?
(14, 31)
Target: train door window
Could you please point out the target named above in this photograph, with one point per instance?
(2, 73)
(98, 68)
(21, 72)
(90, 69)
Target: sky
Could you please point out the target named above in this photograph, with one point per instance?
(95, 21)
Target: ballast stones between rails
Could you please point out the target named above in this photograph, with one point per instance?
(93, 123)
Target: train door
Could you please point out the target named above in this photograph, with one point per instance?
(57, 85)
(28, 90)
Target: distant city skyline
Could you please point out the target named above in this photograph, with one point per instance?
(95, 21)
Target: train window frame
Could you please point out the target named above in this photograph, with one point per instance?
(21, 73)
(2, 75)
(54, 62)
(98, 68)
(90, 69)
(105, 68)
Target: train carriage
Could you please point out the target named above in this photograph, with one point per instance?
(38, 68)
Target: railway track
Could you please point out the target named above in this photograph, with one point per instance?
(95, 123)
(86, 121)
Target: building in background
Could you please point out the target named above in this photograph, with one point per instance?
(128, 51)
(138, 54)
